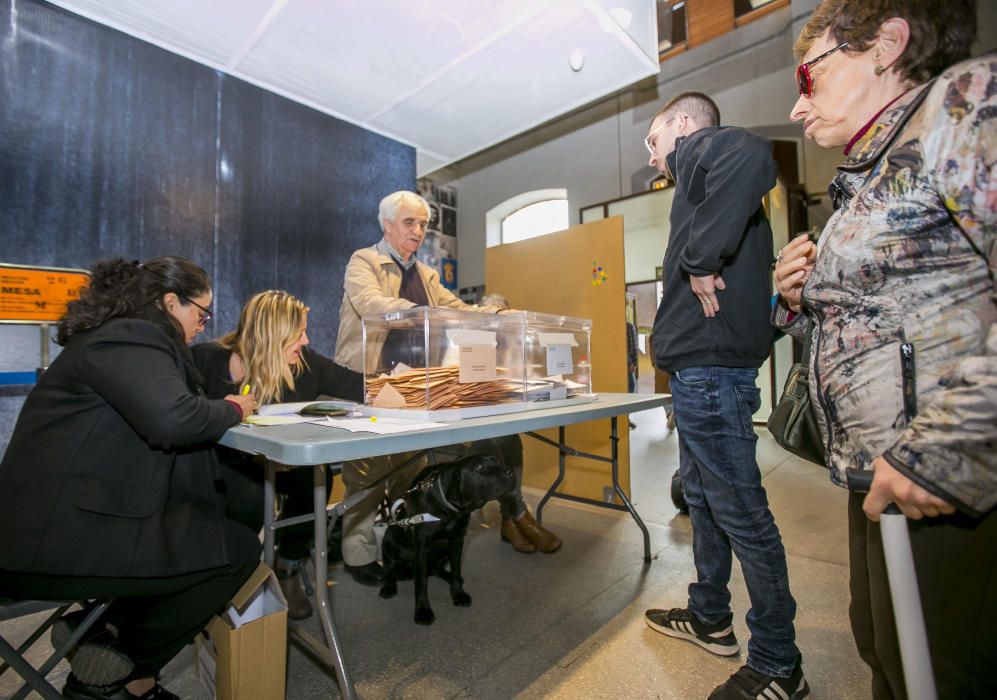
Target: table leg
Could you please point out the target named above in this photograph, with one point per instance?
(561, 457)
(269, 498)
(322, 601)
(615, 442)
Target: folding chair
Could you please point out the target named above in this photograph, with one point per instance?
(14, 658)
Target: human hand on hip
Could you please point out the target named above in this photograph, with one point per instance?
(706, 288)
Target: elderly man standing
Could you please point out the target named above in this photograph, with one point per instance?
(382, 278)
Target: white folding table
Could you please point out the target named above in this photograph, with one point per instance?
(322, 447)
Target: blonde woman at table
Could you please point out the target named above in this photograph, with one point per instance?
(269, 352)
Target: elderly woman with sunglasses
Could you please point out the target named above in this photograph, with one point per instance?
(899, 292)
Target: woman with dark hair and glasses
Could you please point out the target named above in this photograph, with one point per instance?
(107, 488)
(899, 293)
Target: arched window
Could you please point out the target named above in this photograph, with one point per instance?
(527, 215)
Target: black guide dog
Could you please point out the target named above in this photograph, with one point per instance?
(447, 492)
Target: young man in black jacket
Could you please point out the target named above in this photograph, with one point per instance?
(712, 333)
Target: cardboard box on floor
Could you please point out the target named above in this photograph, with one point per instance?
(242, 653)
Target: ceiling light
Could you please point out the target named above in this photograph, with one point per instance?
(576, 59)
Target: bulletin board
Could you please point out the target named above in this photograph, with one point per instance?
(576, 272)
(30, 294)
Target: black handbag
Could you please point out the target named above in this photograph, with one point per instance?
(793, 422)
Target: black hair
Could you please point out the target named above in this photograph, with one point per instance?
(119, 288)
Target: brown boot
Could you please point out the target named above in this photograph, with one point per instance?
(545, 540)
(512, 535)
(298, 605)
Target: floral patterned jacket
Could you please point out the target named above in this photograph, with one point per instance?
(910, 259)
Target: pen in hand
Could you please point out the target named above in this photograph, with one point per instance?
(244, 400)
(245, 392)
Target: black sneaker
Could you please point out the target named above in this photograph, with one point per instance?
(96, 658)
(749, 683)
(679, 622)
(371, 574)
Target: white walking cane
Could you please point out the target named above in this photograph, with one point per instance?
(907, 611)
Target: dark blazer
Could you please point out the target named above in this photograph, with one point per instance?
(110, 470)
(718, 225)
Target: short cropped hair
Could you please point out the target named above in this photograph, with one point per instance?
(700, 107)
(389, 206)
(941, 31)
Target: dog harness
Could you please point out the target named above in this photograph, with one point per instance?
(425, 487)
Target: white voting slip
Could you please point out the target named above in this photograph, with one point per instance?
(277, 419)
(382, 425)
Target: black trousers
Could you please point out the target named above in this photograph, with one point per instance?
(244, 502)
(956, 562)
(154, 617)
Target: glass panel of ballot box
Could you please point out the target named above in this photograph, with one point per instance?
(444, 364)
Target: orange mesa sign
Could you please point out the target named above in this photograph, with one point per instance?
(38, 294)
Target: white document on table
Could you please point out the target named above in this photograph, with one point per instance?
(276, 419)
(379, 424)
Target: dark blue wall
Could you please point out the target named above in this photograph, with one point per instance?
(112, 146)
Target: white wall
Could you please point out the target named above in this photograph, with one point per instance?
(597, 153)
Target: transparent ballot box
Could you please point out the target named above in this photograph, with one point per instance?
(446, 364)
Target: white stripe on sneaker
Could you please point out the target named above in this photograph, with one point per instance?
(773, 692)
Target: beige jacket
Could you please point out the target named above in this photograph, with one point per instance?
(373, 280)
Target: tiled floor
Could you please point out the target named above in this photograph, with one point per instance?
(570, 625)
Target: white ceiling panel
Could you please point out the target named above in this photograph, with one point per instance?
(450, 77)
(208, 31)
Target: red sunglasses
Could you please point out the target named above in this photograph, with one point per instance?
(805, 81)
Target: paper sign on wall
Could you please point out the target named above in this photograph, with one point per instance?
(477, 363)
(31, 294)
(558, 351)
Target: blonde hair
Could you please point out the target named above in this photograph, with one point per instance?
(270, 321)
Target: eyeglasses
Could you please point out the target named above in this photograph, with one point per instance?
(205, 314)
(805, 81)
(647, 139)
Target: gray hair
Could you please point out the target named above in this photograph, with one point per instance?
(389, 206)
(496, 300)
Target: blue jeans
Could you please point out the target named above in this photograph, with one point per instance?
(730, 511)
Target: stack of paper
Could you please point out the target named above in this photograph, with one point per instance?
(380, 425)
